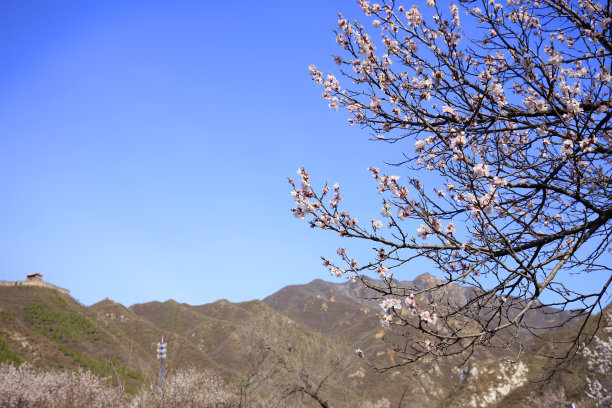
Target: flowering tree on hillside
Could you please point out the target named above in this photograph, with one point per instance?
(504, 114)
(599, 362)
(27, 387)
(188, 388)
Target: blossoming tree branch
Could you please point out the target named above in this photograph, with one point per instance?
(511, 122)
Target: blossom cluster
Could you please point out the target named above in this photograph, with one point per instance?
(388, 306)
(428, 319)
(26, 387)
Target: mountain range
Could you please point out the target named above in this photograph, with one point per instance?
(302, 337)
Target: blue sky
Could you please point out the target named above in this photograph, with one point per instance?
(145, 146)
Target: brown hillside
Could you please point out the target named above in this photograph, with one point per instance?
(305, 326)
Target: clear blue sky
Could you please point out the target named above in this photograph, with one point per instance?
(145, 146)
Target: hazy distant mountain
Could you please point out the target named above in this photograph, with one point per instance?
(51, 329)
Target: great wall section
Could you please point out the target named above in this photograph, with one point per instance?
(35, 280)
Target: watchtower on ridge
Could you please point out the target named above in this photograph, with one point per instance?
(34, 277)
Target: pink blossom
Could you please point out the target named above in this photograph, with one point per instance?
(414, 17)
(412, 46)
(481, 170)
(423, 231)
(335, 271)
(419, 145)
(402, 213)
(573, 107)
(375, 103)
(428, 318)
(585, 144)
(604, 76)
(459, 140)
(410, 302)
(351, 222)
(567, 148)
(382, 271)
(527, 64)
(555, 60)
(390, 304)
(500, 182)
(386, 320)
